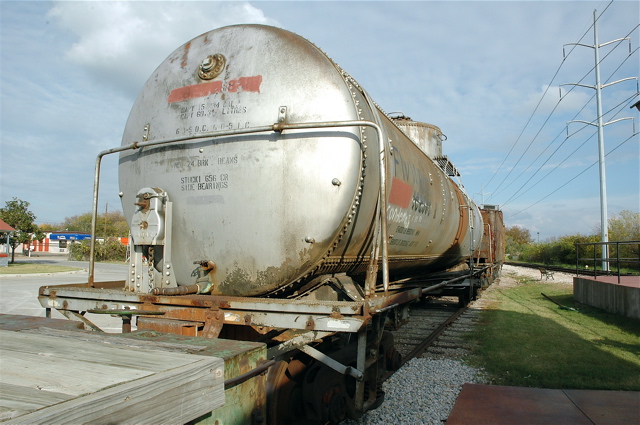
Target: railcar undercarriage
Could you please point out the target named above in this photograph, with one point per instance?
(328, 357)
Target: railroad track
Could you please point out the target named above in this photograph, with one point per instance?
(428, 321)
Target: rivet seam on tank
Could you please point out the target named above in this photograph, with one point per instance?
(211, 66)
(356, 201)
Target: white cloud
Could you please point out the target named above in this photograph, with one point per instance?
(120, 43)
(547, 98)
(475, 69)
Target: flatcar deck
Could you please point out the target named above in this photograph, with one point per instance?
(54, 373)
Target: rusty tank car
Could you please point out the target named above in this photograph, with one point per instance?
(266, 211)
(271, 200)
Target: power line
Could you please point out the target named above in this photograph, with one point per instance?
(495, 192)
(572, 179)
(539, 103)
(626, 102)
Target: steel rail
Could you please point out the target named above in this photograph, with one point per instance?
(425, 343)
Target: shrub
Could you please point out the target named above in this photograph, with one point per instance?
(109, 250)
(558, 251)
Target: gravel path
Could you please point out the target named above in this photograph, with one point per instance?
(558, 277)
(425, 389)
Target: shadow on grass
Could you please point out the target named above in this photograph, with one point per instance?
(623, 323)
(522, 349)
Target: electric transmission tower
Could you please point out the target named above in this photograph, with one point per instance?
(604, 224)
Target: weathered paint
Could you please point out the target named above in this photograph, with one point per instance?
(194, 91)
(273, 209)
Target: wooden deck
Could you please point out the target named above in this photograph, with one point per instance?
(53, 376)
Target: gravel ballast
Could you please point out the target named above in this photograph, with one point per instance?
(425, 389)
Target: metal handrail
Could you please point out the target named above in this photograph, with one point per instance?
(277, 127)
(617, 258)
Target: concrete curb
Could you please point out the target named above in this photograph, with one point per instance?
(44, 274)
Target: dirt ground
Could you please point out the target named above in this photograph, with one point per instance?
(508, 278)
(509, 272)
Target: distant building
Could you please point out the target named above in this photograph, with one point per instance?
(59, 242)
(4, 254)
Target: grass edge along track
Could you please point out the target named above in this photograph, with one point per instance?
(526, 340)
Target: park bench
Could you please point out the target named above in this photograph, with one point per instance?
(545, 273)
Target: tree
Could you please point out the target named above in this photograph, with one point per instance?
(108, 224)
(17, 215)
(49, 227)
(516, 239)
(625, 226)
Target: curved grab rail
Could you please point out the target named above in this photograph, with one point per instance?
(277, 127)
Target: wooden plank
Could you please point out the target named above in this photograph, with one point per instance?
(49, 375)
(117, 340)
(17, 400)
(105, 350)
(66, 376)
(174, 396)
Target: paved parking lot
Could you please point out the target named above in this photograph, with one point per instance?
(19, 293)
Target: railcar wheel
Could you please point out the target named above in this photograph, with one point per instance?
(325, 395)
(284, 392)
(307, 392)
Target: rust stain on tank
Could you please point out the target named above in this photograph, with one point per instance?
(185, 55)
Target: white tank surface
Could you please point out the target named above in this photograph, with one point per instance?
(263, 212)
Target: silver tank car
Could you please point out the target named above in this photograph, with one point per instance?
(260, 212)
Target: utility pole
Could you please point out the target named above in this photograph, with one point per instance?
(106, 211)
(604, 223)
(482, 193)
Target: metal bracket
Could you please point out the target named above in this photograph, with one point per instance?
(295, 343)
(145, 134)
(151, 230)
(282, 114)
(213, 324)
(75, 316)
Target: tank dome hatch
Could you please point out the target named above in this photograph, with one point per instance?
(428, 138)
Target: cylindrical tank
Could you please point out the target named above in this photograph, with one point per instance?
(428, 137)
(270, 209)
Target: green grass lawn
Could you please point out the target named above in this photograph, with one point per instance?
(527, 340)
(29, 268)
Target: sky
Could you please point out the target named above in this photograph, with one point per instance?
(490, 74)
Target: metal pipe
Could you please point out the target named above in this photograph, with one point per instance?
(230, 383)
(179, 290)
(277, 127)
(446, 282)
(332, 363)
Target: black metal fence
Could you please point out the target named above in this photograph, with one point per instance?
(626, 253)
